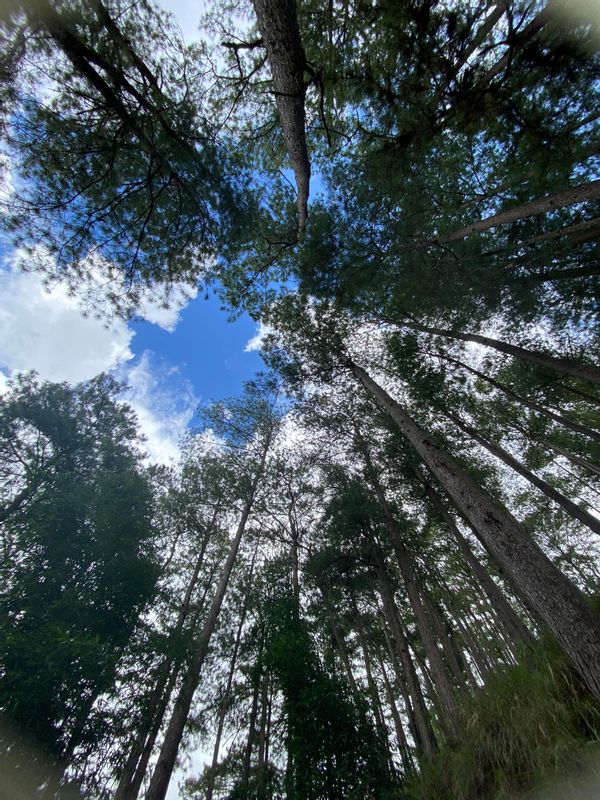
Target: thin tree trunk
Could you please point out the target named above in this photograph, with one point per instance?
(444, 689)
(210, 781)
(444, 634)
(168, 685)
(403, 748)
(128, 787)
(392, 651)
(424, 730)
(374, 693)
(521, 38)
(257, 680)
(340, 643)
(496, 450)
(567, 197)
(559, 603)
(576, 427)
(588, 228)
(174, 733)
(508, 617)
(564, 366)
(572, 457)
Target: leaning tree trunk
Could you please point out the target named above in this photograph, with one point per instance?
(576, 427)
(159, 782)
(407, 698)
(508, 617)
(444, 688)
(558, 602)
(569, 506)
(135, 766)
(210, 780)
(572, 457)
(278, 24)
(568, 197)
(403, 748)
(424, 730)
(564, 366)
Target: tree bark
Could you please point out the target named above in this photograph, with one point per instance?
(567, 197)
(340, 643)
(278, 24)
(564, 366)
(557, 601)
(403, 748)
(130, 780)
(424, 730)
(572, 457)
(508, 617)
(210, 781)
(444, 689)
(576, 427)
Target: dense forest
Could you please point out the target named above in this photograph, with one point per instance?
(374, 573)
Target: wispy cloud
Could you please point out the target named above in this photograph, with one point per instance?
(256, 342)
(164, 403)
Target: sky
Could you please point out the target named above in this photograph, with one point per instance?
(172, 359)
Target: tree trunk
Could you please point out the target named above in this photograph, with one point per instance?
(576, 427)
(171, 674)
(374, 693)
(567, 197)
(174, 733)
(569, 506)
(403, 748)
(278, 24)
(210, 780)
(508, 617)
(129, 785)
(425, 735)
(257, 680)
(444, 689)
(559, 603)
(393, 650)
(564, 366)
(340, 643)
(572, 457)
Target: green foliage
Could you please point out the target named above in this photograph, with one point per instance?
(78, 563)
(527, 722)
(332, 751)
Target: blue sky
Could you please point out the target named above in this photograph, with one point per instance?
(172, 360)
(207, 348)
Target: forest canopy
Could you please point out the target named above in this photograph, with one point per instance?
(374, 572)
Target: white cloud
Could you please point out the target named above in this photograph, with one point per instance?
(164, 403)
(257, 341)
(164, 308)
(43, 329)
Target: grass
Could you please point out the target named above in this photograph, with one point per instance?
(528, 723)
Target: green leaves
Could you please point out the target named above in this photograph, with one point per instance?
(79, 564)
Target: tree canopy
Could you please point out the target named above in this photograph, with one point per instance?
(374, 574)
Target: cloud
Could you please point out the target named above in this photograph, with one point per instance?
(44, 330)
(164, 308)
(257, 341)
(164, 403)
